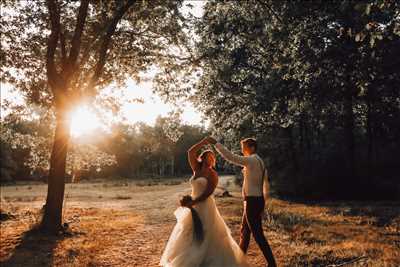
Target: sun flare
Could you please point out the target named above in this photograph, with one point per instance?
(83, 121)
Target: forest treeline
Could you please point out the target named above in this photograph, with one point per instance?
(318, 83)
(132, 151)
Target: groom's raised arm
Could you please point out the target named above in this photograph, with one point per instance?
(231, 157)
(228, 155)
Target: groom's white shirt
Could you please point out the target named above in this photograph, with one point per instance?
(253, 167)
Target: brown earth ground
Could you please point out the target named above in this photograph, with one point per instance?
(120, 223)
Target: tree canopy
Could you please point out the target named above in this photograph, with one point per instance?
(316, 82)
(62, 53)
(95, 43)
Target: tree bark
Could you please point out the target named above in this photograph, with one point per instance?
(52, 218)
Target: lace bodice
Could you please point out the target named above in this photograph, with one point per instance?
(198, 186)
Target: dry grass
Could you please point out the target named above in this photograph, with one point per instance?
(128, 224)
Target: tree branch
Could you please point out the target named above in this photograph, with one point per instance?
(62, 46)
(263, 3)
(349, 262)
(95, 41)
(98, 69)
(76, 39)
(54, 12)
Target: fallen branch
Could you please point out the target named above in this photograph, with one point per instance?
(349, 262)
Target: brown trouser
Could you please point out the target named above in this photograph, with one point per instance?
(252, 223)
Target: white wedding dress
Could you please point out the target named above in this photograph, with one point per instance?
(218, 248)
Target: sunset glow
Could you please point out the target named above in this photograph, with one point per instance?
(83, 121)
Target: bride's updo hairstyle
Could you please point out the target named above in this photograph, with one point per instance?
(204, 154)
(202, 157)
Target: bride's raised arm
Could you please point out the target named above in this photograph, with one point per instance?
(192, 155)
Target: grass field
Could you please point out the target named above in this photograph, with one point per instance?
(119, 223)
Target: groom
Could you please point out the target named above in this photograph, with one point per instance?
(254, 176)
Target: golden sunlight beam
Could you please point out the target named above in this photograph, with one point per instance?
(83, 121)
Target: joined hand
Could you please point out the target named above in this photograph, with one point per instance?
(210, 140)
(186, 201)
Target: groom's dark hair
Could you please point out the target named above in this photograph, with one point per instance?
(250, 142)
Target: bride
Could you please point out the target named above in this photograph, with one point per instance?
(201, 238)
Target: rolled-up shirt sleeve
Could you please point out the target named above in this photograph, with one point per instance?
(231, 157)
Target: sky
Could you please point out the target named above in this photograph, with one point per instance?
(151, 108)
(153, 105)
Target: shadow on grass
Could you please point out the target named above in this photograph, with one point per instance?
(288, 221)
(326, 260)
(382, 213)
(35, 249)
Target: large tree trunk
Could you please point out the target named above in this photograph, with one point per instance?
(52, 218)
